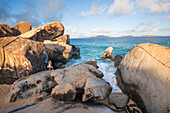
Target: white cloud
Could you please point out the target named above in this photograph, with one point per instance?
(155, 6)
(144, 28)
(99, 31)
(168, 17)
(121, 7)
(95, 10)
(72, 31)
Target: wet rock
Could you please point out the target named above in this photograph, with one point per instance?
(76, 52)
(117, 59)
(22, 57)
(64, 92)
(31, 86)
(143, 74)
(21, 28)
(96, 89)
(47, 32)
(119, 99)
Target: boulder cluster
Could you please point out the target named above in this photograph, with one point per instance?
(63, 84)
(24, 51)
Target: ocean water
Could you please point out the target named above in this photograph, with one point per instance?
(93, 49)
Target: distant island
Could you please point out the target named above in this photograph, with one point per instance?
(104, 36)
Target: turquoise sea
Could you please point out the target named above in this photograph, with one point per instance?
(93, 49)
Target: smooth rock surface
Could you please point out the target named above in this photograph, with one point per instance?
(96, 89)
(46, 32)
(21, 28)
(31, 86)
(119, 99)
(48, 105)
(108, 53)
(144, 75)
(64, 92)
(20, 57)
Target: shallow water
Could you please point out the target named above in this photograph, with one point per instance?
(93, 49)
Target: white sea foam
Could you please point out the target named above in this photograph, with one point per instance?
(109, 70)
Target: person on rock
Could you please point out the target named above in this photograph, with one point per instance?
(50, 65)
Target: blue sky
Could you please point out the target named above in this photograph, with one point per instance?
(86, 18)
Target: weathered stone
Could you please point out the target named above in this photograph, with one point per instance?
(21, 28)
(47, 32)
(117, 59)
(22, 57)
(64, 92)
(143, 74)
(64, 39)
(76, 75)
(5, 30)
(57, 51)
(96, 89)
(119, 99)
(31, 86)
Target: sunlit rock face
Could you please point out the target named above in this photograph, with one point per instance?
(144, 74)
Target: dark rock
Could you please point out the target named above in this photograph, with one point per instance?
(117, 59)
(96, 89)
(76, 52)
(143, 74)
(64, 92)
(21, 57)
(91, 62)
(31, 86)
(119, 99)
(5, 30)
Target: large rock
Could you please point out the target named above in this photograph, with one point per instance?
(20, 57)
(21, 28)
(144, 74)
(58, 51)
(5, 30)
(46, 32)
(119, 99)
(76, 52)
(96, 89)
(64, 39)
(76, 75)
(31, 86)
(64, 92)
